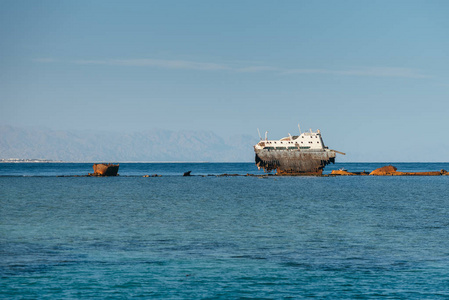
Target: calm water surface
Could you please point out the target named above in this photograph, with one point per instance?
(222, 237)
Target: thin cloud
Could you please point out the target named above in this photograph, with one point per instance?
(165, 64)
(201, 66)
(258, 69)
(45, 60)
(377, 72)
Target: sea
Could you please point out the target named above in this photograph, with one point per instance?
(64, 235)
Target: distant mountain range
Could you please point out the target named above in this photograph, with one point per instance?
(153, 145)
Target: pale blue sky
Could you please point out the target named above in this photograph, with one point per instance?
(372, 75)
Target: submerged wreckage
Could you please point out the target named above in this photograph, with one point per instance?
(105, 170)
(304, 154)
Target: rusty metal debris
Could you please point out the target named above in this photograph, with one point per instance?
(105, 170)
(392, 171)
(389, 171)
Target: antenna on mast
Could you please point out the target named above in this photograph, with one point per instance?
(299, 129)
(259, 134)
(266, 135)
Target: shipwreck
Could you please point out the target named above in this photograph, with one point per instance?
(105, 170)
(303, 154)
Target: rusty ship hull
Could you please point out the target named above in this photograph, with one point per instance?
(105, 169)
(294, 162)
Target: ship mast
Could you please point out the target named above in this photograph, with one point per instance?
(260, 137)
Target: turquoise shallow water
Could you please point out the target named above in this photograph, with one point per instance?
(221, 237)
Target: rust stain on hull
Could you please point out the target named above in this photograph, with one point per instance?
(294, 162)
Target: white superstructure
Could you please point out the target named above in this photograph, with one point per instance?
(305, 141)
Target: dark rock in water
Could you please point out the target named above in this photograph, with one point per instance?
(187, 173)
(105, 170)
(227, 175)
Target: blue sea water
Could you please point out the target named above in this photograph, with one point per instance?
(212, 237)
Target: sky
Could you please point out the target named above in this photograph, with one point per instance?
(373, 76)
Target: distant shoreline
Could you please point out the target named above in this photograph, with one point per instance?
(11, 160)
(27, 160)
(124, 162)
